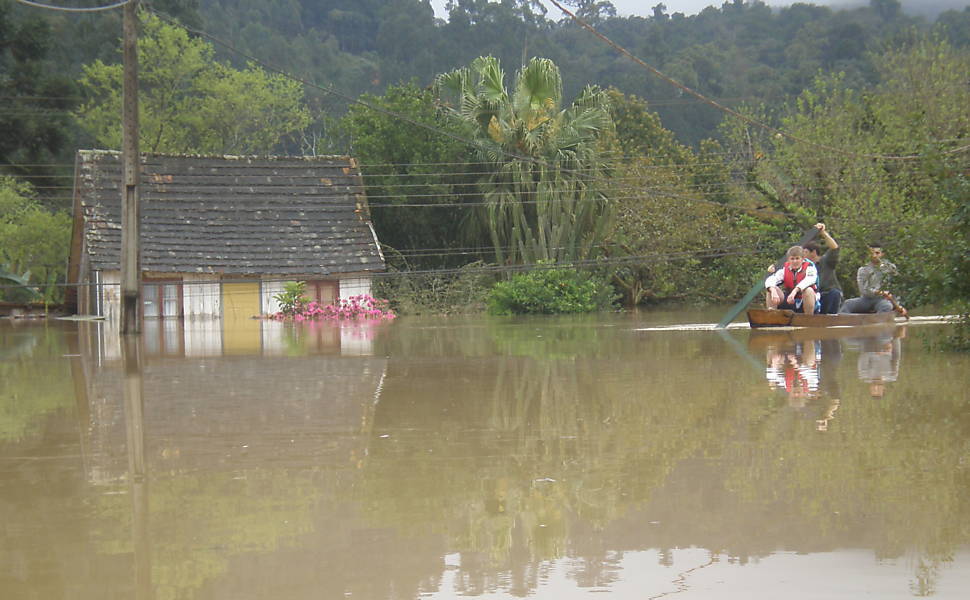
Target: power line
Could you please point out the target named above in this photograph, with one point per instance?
(332, 90)
(75, 9)
(725, 109)
(466, 270)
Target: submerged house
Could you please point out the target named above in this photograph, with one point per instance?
(221, 235)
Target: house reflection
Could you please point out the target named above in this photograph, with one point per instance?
(213, 393)
(236, 337)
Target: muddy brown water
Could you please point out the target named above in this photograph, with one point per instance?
(553, 457)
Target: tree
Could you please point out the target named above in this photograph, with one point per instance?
(416, 177)
(37, 97)
(189, 103)
(671, 213)
(546, 190)
(33, 241)
(887, 163)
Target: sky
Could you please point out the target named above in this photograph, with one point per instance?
(645, 7)
(689, 7)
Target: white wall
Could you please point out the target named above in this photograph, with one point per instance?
(201, 296)
(354, 286)
(268, 289)
(203, 337)
(111, 295)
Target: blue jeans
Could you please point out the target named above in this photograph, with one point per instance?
(831, 301)
(867, 305)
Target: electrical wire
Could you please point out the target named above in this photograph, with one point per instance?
(729, 111)
(642, 259)
(75, 9)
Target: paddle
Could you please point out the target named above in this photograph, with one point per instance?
(759, 285)
(897, 306)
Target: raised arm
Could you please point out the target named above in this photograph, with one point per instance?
(829, 240)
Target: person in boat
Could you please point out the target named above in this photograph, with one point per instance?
(872, 279)
(794, 286)
(830, 291)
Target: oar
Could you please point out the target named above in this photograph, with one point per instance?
(897, 306)
(759, 285)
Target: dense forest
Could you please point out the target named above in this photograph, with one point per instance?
(764, 121)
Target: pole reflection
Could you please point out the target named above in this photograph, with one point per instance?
(134, 411)
(499, 458)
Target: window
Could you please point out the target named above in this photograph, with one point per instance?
(323, 291)
(161, 299)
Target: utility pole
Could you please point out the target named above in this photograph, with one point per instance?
(130, 221)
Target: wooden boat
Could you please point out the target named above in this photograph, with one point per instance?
(763, 317)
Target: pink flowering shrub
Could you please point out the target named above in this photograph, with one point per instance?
(354, 308)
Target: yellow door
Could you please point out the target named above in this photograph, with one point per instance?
(240, 331)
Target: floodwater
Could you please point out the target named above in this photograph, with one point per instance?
(491, 458)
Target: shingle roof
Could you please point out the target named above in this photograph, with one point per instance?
(239, 215)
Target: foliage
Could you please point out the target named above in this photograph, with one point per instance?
(36, 380)
(33, 241)
(459, 292)
(682, 231)
(957, 260)
(917, 112)
(545, 196)
(190, 103)
(735, 50)
(36, 95)
(550, 291)
(416, 176)
(292, 299)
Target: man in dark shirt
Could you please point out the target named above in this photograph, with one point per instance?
(828, 281)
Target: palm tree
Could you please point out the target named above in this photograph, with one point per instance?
(545, 183)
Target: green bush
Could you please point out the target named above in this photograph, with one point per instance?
(292, 299)
(551, 291)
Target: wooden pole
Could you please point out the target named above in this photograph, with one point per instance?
(130, 221)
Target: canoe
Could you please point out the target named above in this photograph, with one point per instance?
(763, 317)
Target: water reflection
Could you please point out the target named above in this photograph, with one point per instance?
(548, 457)
(236, 337)
(804, 364)
(879, 360)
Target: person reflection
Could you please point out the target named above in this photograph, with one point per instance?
(794, 369)
(879, 361)
(829, 391)
(807, 372)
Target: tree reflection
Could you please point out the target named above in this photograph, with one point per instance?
(568, 433)
(510, 444)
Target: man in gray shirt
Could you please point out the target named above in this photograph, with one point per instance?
(872, 279)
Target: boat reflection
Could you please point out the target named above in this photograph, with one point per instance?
(541, 458)
(805, 363)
